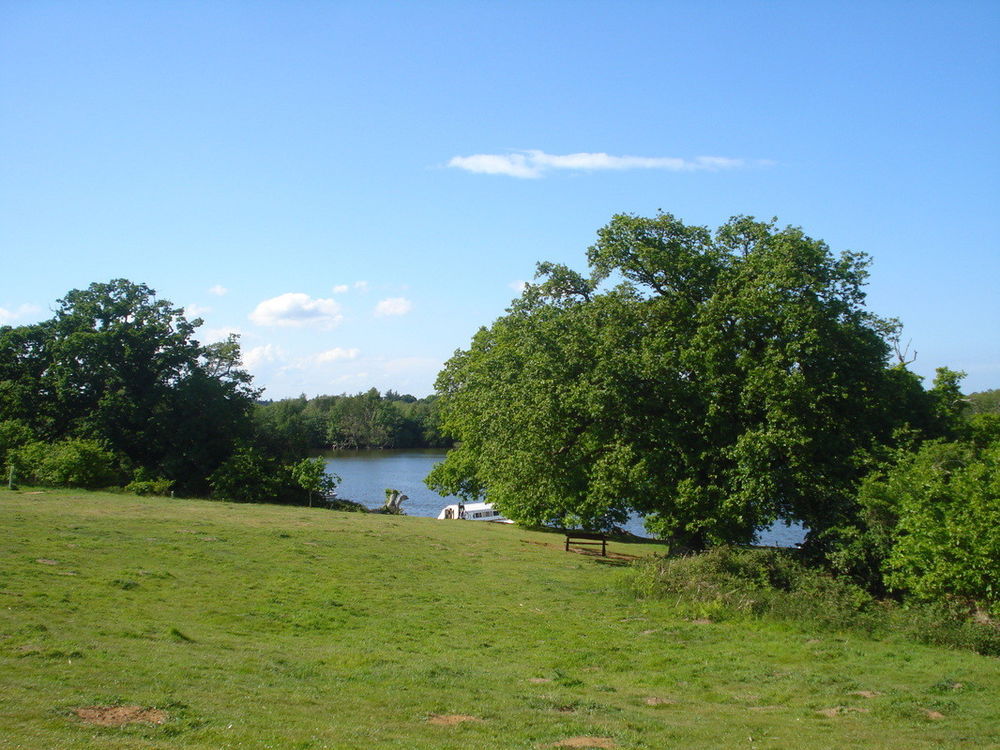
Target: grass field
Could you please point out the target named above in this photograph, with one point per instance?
(276, 627)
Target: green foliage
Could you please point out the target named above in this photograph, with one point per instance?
(291, 427)
(310, 474)
(947, 498)
(346, 506)
(984, 402)
(733, 583)
(247, 476)
(729, 379)
(67, 463)
(730, 581)
(144, 484)
(118, 366)
(14, 433)
(927, 524)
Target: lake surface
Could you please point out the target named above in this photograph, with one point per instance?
(365, 475)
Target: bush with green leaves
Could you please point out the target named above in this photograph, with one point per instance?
(729, 581)
(68, 463)
(247, 476)
(946, 498)
(735, 583)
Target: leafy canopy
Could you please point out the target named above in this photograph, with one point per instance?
(712, 381)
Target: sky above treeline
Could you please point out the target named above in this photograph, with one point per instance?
(356, 187)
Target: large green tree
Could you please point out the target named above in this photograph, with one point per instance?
(712, 381)
(118, 365)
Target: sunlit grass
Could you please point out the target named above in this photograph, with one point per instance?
(267, 626)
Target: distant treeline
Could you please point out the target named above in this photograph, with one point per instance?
(984, 402)
(363, 420)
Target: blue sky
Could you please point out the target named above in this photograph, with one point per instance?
(355, 188)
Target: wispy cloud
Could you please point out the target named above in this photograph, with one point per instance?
(335, 354)
(533, 163)
(218, 290)
(518, 286)
(393, 306)
(340, 288)
(212, 335)
(18, 313)
(296, 309)
(196, 311)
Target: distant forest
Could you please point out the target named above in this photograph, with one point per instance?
(364, 420)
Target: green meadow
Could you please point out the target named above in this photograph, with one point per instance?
(255, 626)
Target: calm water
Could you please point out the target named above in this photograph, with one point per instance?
(366, 474)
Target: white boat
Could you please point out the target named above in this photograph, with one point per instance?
(472, 512)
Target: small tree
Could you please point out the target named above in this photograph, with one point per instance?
(310, 474)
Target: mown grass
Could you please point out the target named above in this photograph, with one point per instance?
(267, 626)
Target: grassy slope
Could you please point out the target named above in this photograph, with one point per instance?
(262, 626)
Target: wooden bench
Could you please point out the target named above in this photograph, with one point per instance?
(587, 539)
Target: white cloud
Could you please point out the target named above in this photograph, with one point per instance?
(218, 290)
(196, 311)
(261, 355)
(393, 306)
(332, 355)
(518, 286)
(534, 163)
(340, 288)
(361, 286)
(297, 309)
(22, 311)
(212, 335)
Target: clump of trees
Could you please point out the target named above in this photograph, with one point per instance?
(116, 389)
(363, 420)
(712, 381)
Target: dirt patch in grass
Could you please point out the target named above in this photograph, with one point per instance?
(539, 680)
(46, 561)
(933, 714)
(866, 693)
(654, 701)
(841, 710)
(450, 720)
(118, 716)
(601, 742)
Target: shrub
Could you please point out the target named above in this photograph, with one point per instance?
(727, 582)
(150, 486)
(948, 533)
(68, 463)
(754, 582)
(246, 477)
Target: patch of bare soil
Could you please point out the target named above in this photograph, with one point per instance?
(117, 716)
(46, 561)
(933, 714)
(450, 720)
(539, 680)
(841, 710)
(701, 621)
(601, 742)
(654, 701)
(866, 693)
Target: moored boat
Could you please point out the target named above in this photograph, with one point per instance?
(472, 512)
